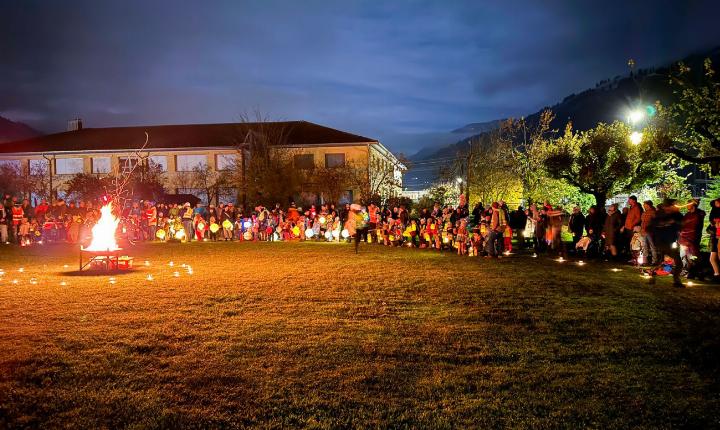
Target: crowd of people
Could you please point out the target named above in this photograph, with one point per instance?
(641, 234)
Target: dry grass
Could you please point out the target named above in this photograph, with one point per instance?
(309, 335)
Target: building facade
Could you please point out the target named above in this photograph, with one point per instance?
(178, 150)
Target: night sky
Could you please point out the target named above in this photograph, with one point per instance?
(385, 69)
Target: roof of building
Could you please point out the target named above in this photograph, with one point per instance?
(183, 136)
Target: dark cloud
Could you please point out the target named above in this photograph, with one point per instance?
(383, 69)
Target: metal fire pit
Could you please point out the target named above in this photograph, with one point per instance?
(109, 259)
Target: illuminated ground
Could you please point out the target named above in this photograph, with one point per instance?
(310, 335)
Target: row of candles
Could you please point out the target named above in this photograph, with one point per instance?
(112, 280)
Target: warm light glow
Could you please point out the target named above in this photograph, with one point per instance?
(63, 284)
(176, 274)
(322, 220)
(615, 269)
(180, 234)
(21, 269)
(674, 245)
(345, 233)
(580, 263)
(636, 138)
(309, 233)
(636, 116)
(150, 277)
(459, 180)
(103, 233)
(227, 224)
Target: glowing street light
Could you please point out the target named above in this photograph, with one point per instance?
(636, 137)
(458, 180)
(636, 116)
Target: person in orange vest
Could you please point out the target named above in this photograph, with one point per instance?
(17, 216)
(150, 216)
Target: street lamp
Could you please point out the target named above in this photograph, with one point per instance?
(636, 137)
(459, 180)
(636, 116)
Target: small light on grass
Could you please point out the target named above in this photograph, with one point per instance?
(560, 260)
(690, 283)
(534, 255)
(21, 270)
(63, 284)
(33, 281)
(15, 281)
(65, 266)
(150, 277)
(580, 263)
(176, 274)
(615, 269)
(112, 280)
(147, 263)
(171, 264)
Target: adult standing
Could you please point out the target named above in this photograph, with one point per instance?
(691, 233)
(649, 251)
(632, 220)
(576, 225)
(666, 226)
(3, 225)
(713, 230)
(611, 229)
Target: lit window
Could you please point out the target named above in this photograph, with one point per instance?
(334, 160)
(158, 162)
(68, 166)
(187, 163)
(304, 161)
(100, 164)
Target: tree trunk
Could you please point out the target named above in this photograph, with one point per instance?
(600, 199)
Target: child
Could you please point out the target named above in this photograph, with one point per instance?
(475, 242)
(461, 237)
(214, 229)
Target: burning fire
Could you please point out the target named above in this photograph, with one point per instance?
(103, 233)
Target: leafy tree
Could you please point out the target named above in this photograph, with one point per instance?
(85, 186)
(690, 127)
(602, 161)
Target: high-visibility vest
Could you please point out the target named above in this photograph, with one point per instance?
(17, 214)
(188, 214)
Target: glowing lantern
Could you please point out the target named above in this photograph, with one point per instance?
(247, 235)
(160, 234)
(201, 225)
(309, 233)
(296, 231)
(328, 235)
(345, 233)
(176, 274)
(214, 228)
(103, 233)
(227, 224)
(322, 220)
(247, 224)
(150, 277)
(180, 234)
(336, 233)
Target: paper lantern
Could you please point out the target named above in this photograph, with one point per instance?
(328, 235)
(214, 227)
(247, 224)
(296, 231)
(247, 235)
(336, 233)
(227, 224)
(201, 226)
(322, 220)
(180, 234)
(345, 233)
(309, 233)
(160, 234)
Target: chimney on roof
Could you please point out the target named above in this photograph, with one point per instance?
(74, 124)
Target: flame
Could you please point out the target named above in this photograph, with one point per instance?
(103, 233)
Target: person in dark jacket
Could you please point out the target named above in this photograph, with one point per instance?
(576, 225)
(666, 226)
(611, 229)
(518, 219)
(594, 222)
(713, 230)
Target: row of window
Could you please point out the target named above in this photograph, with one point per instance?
(183, 163)
(307, 161)
(71, 166)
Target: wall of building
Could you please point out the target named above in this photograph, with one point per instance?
(362, 156)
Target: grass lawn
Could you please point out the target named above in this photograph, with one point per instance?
(310, 335)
